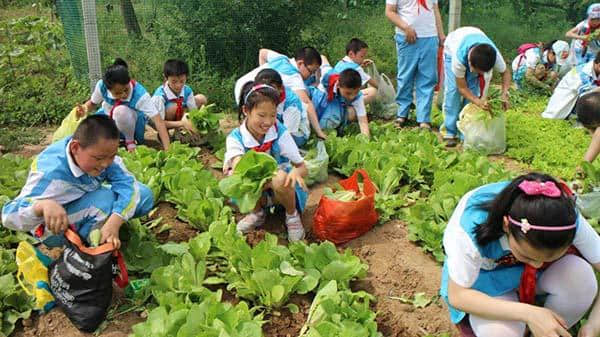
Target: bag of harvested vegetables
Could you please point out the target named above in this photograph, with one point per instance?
(348, 213)
(484, 131)
(316, 161)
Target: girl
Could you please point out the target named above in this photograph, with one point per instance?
(128, 103)
(290, 109)
(551, 56)
(510, 241)
(583, 49)
(260, 131)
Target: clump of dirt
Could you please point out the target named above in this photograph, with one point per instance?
(255, 237)
(285, 323)
(179, 230)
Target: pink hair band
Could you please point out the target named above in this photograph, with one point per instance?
(526, 226)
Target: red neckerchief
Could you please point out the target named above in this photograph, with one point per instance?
(422, 3)
(179, 111)
(282, 96)
(119, 102)
(333, 79)
(481, 85)
(266, 146)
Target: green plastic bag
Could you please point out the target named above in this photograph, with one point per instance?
(317, 161)
(67, 126)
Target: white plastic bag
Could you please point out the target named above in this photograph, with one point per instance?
(482, 132)
(385, 102)
(317, 165)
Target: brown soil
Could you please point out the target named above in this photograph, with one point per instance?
(30, 150)
(179, 230)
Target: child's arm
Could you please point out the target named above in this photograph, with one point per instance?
(363, 124)
(391, 11)
(163, 134)
(541, 321)
(263, 54)
(312, 113)
(296, 176)
(373, 82)
(594, 147)
(439, 24)
(84, 109)
(233, 154)
(573, 33)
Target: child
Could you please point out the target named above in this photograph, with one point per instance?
(356, 53)
(128, 103)
(469, 60)
(261, 132)
(510, 241)
(290, 110)
(550, 56)
(419, 32)
(579, 80)
(342, 101)
(67, 185)
(583, 48)
(174, 97)
(588, 114)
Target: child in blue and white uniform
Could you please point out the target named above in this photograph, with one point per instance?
(580, 80)
(510, 241)
(340, 101)
(469, 60)
(290, 110)
(67, 184)
(582, 49)
(128, 103)
(552, 56)
(356, 58)
(173, 98)
(260, 131)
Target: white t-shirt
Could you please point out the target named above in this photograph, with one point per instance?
(144, 104)
(294, 82)
(159, 100)
(364, 77)
(249, 77)
(465, 261)
(530, 59)
(287, 146)
(452, 44)
(420, 19)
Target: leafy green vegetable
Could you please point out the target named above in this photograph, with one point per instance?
(249, 176)
(94, 237)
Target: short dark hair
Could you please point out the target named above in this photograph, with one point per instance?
(256, 97)
(309, 55)
(355, 45)
(269, 76)
(587, 109)
(95, 128)
(350, 78)
(597, 58)
(537, 209)
(175, 67)
(116, 73)
(483, 57)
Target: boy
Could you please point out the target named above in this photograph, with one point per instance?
(356, 53)
(469, 60)
(576, 82)
(174, 97)
(342, 102)
(419, 32)
(66, 186)
(588, 114)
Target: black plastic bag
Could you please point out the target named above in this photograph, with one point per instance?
(81, 281)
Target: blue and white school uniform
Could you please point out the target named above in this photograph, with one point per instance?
(164, 98)
(292, 113)
(575, 83)
(88, 200)
(138, 100)
(347, 63)
(282, 148)
(457, 49)
(331, 107)
(528, 60)
(417, 62)
(582, 51)
(477, 267)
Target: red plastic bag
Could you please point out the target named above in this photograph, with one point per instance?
(339, 221)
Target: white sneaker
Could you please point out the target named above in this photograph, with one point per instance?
(294, 227)
(251, 221)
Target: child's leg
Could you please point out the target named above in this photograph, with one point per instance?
(285, 196)
(407, 67)
(571, 287)
(200, 100)
(369, 94)
(490, 328)
(426, 77)
(125, 118)
(452, 100)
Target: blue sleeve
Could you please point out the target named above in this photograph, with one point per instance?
(123, 185)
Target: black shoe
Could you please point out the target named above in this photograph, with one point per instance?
(451, 142)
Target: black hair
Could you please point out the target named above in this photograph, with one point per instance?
(588, 109)
(483, 57)
(116, 73)
(597, 58)
(309, 55)
(350, 78)
(94, 129)
(256, 97)
(537, 209)
(548, 46)
(174, 67)
(270, 77)
(355, 45)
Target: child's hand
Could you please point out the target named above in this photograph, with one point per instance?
(505, 101)
(295, 177)
(367, 62)
(411, 35)
(81, 111)
(482, 103)
(544, 322)
(188, 125)
(110, 234)
(55, 216)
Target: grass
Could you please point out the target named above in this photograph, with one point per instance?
(13, 139)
